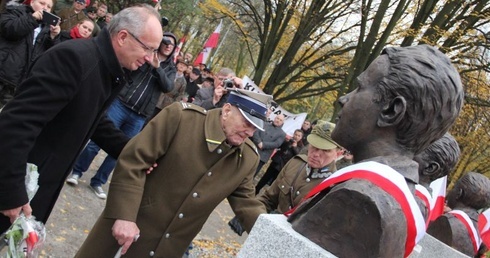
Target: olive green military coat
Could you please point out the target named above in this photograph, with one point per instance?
(196, 170)
(289, 189)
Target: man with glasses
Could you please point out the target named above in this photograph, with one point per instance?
(61, 105)
(130, 110)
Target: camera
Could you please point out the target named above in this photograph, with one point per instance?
(228, 84)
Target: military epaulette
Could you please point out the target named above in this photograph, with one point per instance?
(190, 106)
(252, 145)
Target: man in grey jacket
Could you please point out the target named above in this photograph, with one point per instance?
(268, 140)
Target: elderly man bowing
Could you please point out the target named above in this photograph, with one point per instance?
(203, 157)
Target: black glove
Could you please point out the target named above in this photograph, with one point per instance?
(236, 226)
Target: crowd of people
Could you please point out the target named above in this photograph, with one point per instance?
(180, 138)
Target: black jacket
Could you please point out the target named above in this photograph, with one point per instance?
(141, 92)
(16, 42)
(56, 110)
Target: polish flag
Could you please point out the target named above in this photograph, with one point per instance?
(178, 48)
(438, 187)
(484, 227)
(212, 42)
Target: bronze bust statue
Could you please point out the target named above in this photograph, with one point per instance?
(470, 193)
(438, 160)
(406, 99)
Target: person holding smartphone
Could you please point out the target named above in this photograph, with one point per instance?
(23, 37)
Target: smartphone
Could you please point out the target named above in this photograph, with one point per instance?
(50, 19)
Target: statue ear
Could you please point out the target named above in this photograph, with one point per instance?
(460, 194)
(432, 168)
(392, 113)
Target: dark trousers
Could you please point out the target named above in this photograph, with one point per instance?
(269, 176)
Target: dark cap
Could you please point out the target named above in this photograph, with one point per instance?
(252, 105)
(196, 71)
(320, 137)
(80, 1)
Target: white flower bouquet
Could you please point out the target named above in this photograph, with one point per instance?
(26, 235)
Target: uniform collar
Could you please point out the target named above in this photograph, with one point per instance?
(320, 172)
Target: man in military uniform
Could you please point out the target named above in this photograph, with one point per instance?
(303, 172)
(300, 174)
(202, 156)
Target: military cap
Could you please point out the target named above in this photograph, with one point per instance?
(252, 105)
(320, 137)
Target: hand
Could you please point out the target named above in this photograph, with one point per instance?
(151, 168)
(218, 93)
(125, 232)
(54, 30)
(260, 145)
(155, 62)
(238, 82)
(236, 226)
(38, 15)
(294, 144)
(13, 214)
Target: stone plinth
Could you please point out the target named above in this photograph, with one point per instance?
(272, 236)
(430, 247)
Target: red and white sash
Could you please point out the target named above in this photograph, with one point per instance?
(392, 183)
(465, 219)
(484, 227)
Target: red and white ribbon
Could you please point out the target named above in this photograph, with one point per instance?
(391, 182)
(438, 187)
(465, 219)
(484, 227)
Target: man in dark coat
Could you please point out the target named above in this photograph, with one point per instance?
(61, 105)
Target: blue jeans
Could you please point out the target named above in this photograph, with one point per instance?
(127, 121)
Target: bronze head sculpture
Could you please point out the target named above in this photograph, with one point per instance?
(470, 194)
(405, 100)
(438, 160)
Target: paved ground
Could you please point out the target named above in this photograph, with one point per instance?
(78, 208)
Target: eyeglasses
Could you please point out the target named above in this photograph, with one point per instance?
(148, 49)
